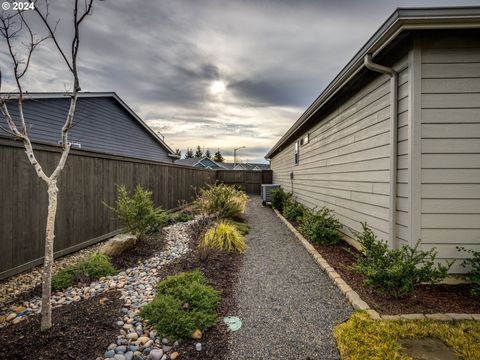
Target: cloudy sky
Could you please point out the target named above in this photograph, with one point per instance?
(214, 73)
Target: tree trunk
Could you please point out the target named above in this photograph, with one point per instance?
(48, 259)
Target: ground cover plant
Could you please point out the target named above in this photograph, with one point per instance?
(321, 227)
(95, 267)
(361, 338)
(137, 213)
(396, 271)
(293, 210)
(184, 303)
(279, 198)
(474, 274)
(224, 236)
(222, 201)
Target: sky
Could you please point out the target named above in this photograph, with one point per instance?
(215, 73)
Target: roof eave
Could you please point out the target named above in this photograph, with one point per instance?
(401, 20)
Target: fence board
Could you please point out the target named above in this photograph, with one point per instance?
(250, 180)
(87, 180)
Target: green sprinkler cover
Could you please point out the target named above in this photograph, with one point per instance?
(234, 323)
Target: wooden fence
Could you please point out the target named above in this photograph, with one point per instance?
(87, 181)
(250, 180)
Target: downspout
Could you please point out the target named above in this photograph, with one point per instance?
(369, 64)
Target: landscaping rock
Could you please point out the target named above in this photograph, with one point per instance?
(118, 244)
(109, 354)
(155, 354)
(174, 355)
(197, 335)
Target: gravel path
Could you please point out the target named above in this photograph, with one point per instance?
(288, 306)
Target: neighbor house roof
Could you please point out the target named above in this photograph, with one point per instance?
(246, 166)
(402, 19)
(103, 123)
(203, 162)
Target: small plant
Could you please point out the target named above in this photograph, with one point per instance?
(321, 227)
(396, 272)
(181, 217)
(242, 227)
(279, 198)
(137, 213)
(224, 236)
(95, 267)
(184, 303)
(474, 275)
(293, 210)
(222, 201)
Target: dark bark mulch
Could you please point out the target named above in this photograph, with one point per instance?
(438, 298)
(81, 330)
(222, 270)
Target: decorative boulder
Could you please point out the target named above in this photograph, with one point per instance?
(118, 244)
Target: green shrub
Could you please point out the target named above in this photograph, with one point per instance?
(224, 236)
(137, 213)
(396, 272)
(293, 210)
(474, 275)
(95, 267)
(321, 227)
(279, 198)
(184, 303)
(242, 228)
(222, 200)
(181, 217)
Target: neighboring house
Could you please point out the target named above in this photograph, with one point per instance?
(399, 152)
(203, 162)
(103, 123)
(246, 166)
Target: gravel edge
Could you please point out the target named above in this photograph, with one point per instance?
(355, 299)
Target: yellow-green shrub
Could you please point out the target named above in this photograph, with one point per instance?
(224, 236)
(222, 200)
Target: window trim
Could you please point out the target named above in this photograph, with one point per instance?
(296, 153)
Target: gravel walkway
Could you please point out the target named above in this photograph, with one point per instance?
(288, 306)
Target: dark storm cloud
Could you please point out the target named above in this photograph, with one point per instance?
(161, 57)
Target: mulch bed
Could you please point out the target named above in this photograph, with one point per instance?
(222, 270)
(426, 299)
(81, 330)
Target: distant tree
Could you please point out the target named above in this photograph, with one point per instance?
(189, 154)
(208, 154)
(178, 152)
(218, 156)
(198, 152)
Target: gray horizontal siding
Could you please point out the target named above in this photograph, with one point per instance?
(101, 125)
(450, 157)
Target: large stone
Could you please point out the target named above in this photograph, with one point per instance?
(118, 244)
(197, 334)
(155, 354)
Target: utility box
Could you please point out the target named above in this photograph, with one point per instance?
(267, 193)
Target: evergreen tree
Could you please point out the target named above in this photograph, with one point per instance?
(218, 157)
(189, 153)
(178, 152)
(198, 152)
(208, 154)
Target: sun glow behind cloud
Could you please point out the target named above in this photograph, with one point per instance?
(217, 87)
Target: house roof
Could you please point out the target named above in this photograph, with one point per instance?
(402, 19)
(113, 95)
(247, 166)
(199, 162)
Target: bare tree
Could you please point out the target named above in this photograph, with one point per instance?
(14, 27)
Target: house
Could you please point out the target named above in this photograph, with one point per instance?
(103, 123)
(246, 166)
(394, 140)
(203, 162)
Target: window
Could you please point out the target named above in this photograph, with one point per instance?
(296, 157)
(305, 139)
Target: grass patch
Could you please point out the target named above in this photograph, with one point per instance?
(363, 338)
(242, 228)
(184, 303)
(95, 267)
(224, 236)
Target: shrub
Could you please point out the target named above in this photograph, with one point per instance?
(222, 200)
(137, 213)
(396, 272)
(181, 217)
(279, 198)
(95, 267)
(242, 228)
(184, 303)
(321, 227)
(474, 275)
(293, 210)
(224, 236)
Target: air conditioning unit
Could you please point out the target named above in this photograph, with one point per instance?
(267, 193)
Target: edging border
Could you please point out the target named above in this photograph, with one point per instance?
(355, 299)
